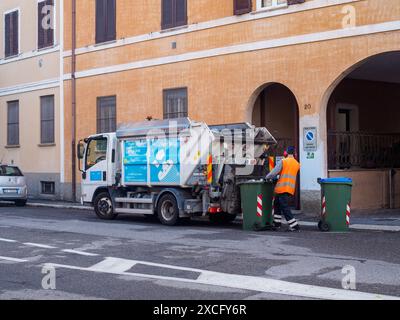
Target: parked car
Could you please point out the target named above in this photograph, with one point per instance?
(13, 185)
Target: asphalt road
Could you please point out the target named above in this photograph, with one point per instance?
(136, 258)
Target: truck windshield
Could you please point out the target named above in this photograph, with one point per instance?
(7, 171)
(96, 152)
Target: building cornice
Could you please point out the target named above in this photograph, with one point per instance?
(256, 15)
(242, 48)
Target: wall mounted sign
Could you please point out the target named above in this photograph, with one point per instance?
(310, 139)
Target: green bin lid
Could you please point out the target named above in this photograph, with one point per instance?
(343, 180)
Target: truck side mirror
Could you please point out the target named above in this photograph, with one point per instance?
(80, 150)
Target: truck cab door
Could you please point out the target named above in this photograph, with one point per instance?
(95, 167)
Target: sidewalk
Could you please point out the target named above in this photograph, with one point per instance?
(374, 220)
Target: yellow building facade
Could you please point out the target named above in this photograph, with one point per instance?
(30, 81)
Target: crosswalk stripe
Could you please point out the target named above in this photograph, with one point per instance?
(13, 259)
(82, 253)
(38, 245)
(8, 240)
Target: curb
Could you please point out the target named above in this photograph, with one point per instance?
(362, 227)
(58, 206)
(359, 227)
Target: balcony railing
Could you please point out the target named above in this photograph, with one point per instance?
(363, 150)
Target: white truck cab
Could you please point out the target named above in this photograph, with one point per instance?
(98, 160)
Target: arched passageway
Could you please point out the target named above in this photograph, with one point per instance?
(363, 131)
(275, 107)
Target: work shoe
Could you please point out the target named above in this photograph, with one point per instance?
(294, 229)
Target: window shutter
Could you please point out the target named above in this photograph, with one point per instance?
(242, 6)
(41, 33)
(180, 13)
(7, 35)
(111, 20)
(47, 119)
(15, 33)
(50, 31)
(167, 14)
(100, 21)
(13, 123)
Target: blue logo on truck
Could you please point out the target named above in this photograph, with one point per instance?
(164, 161)
(135, 161)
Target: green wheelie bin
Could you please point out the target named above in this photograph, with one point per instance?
(336, 204)
(257, 204)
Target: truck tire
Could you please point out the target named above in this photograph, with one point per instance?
(103, 206)
(167, 210)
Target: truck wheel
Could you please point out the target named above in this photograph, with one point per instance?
(167, 210)
(20, 203)
(103, 207)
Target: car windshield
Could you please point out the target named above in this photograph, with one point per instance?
(7, 171)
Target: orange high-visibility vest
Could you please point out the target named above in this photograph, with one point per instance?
(271, 161)
(288, 176)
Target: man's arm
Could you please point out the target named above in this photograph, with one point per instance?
(275, 172)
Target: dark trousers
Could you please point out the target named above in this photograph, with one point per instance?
(282, 208)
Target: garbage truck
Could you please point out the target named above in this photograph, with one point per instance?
(171, 169)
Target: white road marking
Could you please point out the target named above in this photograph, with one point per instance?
(82, 253)
(38, 245)
(260, 284)
(8, 240)
(12, 259)
(113, 265)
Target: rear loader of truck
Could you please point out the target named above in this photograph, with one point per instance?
(172, 169)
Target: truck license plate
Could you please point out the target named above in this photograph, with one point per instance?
(10, 191)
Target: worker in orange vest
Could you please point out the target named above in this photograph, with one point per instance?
(287, 171)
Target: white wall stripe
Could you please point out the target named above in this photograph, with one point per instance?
(311, 5)
(61, 85)
(29, 55)
(28, 87)
(247, 47)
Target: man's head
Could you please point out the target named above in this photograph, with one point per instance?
(290, 151)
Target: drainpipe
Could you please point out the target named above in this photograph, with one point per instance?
(73, 129)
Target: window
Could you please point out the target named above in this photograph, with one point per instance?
(13, 123)
(268, 4)
(48, 187)
(45, 24)
(11, 40)
(174, 13)
(106, 114)
(175, 103)
(105, 20)
(96, 152)
(47, 119)
(242, 6)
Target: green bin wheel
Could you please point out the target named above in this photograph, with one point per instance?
(324, 226)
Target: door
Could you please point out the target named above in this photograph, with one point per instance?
(95, 168)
